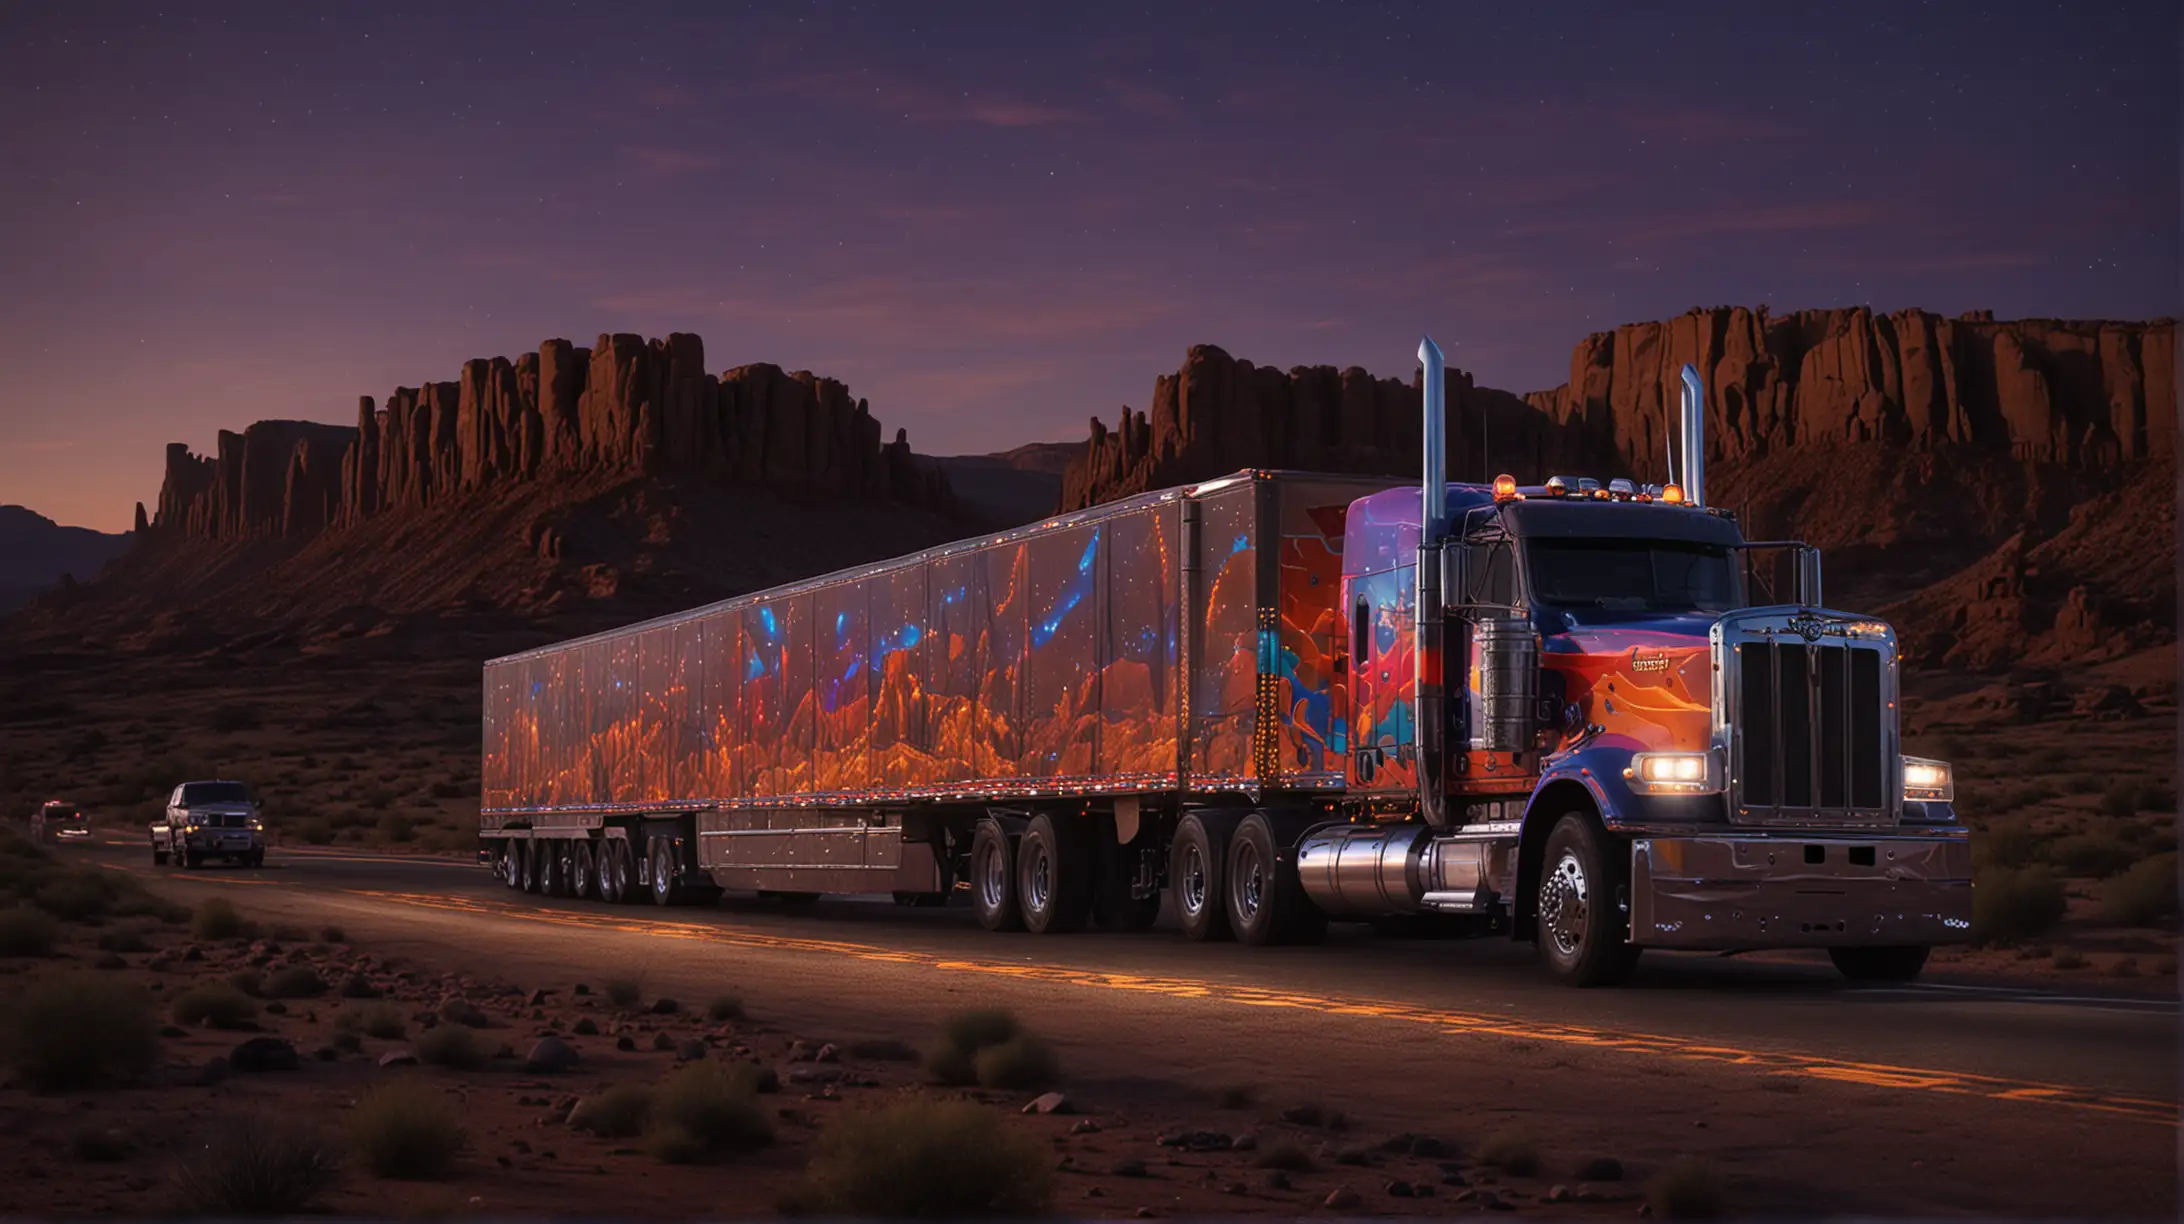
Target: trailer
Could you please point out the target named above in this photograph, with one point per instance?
(1278, 699)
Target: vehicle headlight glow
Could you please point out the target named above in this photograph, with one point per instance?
(1926, 781)
(1672, 773)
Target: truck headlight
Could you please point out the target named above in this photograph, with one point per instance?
(1926, 781)
(1672, 773)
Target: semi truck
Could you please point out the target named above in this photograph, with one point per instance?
(1570, 713)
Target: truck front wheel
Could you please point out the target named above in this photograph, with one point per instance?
(1879, 964)
(1581, 936)
(1197, 873)
(159, 856)
(993, 878)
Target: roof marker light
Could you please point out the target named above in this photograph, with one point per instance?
(1505, 487)
(1672, 494)
(1557, 487)
(1621, 489)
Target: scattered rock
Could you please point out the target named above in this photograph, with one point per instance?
(1235, 1188)
(193, 953)
(815, 1075)
(1361, 1157)
(1049, 1103)
(665, 1007)
(172, 1031)
(276, 1008)
(261, 1054)
(584, 1027)
(1601, 1168)
(1276, 1180)
(765, 1079)
(581, 989)
(326, 1054)
(465, 1013)
(1400, 1189)
(550, 1054)
(801, 1052)
(1198, 1141)
(1425, 1147)
(538, 996)
(1245, 1142)
(661, 1041)
(1085, 1126)
(625, 1043)
(1494, 1202)
(1147, 1213)
(1341, 1198)
(398, 1058)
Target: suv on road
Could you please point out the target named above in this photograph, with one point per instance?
(213, 819)
(58, 820)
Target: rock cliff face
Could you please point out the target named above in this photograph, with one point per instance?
(625, 405)
(1217, 414)
(2085, 395)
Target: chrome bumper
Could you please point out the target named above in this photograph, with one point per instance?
(1736, 893)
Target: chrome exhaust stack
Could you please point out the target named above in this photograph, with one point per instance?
(1694, 436)
(1426, 657)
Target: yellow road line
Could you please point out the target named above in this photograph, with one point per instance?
(1772, 1062)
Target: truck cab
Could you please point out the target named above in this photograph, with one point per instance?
(209, 819)
(1574, 711)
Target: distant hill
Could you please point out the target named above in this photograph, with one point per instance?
(1014, 486)
(36, 552)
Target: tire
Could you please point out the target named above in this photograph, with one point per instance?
(660, 870)
(1265, 900)
(993, 878)
(605, 864)
(191, 859)
(255, 858)
(159, 856)
(583, 871)
(1582, 940)
(1899, 964)
(1197, 874)
(1054, 874)
(534, 861)
(510, 865)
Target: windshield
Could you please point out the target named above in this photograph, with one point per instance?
(1635, 575)
(214, 792)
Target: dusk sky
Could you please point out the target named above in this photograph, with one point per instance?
(996, 221)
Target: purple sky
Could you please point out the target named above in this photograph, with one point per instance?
(997, 221)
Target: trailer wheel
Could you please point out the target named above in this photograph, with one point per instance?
(605, 863)
(1054, 873)
(1197, 871)
(1879, 964)
(1581, 937)
(511, 864)
(583, 871)
(534, 854)
(660, 868)
(1265, 900)
(993, 878)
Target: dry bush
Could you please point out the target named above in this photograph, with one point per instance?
(724, 1008)
(451, 1046)
(1022, 1063)
(215, 1005)
(79, 1032)
(2144, 896)
(1511, 1151)
(2012, 906)
(706, 1111)
(1286, 1156)
(1687, 1190)
(2011, 844)
(963, 1036)
(620, 1112)
(295, 982)
(259, 1167)
(406, 1131)
(123, 939)
(383, 1022)
(624, 991)
(2091, 855)
(27, 932)
(216, 918)
(919, 1159)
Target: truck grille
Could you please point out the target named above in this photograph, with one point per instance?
(1812, 731)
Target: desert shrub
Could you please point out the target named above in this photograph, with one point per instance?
(619, 1112)
(1511, 1151)
(962, 1036)
(724, 1007)
(215, 1005)
(76, 896)
(27, 932)
(930, 1159)
(2091, 855)
(2069, 958)
(1687, 1190)
(2007, 844)
(315, 832)
(624, 991)
(2155, 797)
(382, 1022)
(100, 1145)
(216, 918)
(332, 934)
(358, 986)
(706, 1111)
(2120, 801)
(398, 827)
(79, 1032)
(250, 981)
(235, 716)
(295, 982)
(123, 939)
(451, 790)
(259, 1167)
(2144, 896)
(405, 1130)
(452, 1046)
(1286, 1156)
(1024, 1062)
(1236, 1096)
(2012, 906)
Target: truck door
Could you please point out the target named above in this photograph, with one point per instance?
(1383, 740)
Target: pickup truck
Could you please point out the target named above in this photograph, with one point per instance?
(213, 819)
(58, 820)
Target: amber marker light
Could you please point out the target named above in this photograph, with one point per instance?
(1672, 494)
(1505, 487)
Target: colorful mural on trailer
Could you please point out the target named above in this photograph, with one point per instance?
(1047, 660)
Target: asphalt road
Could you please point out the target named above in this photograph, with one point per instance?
(1943, 1096)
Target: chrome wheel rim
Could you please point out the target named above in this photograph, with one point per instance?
(1563, 904)
(993, 878)
(1194, 879)
(662, 874)
(1249, 885)
(1038, 879)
